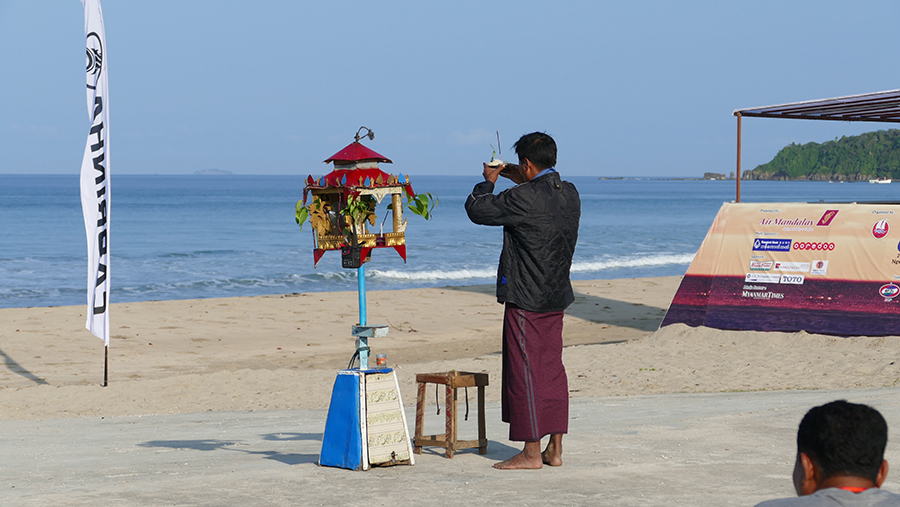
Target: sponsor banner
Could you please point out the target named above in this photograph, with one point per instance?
(839, 277)
(94, 173)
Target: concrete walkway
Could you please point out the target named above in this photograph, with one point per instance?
(676, 449)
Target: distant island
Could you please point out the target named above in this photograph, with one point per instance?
(873, 155)
(212, 172)
(706, 176)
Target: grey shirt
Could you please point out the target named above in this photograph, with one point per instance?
(872, 497)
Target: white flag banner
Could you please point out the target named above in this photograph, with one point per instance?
(95, 173)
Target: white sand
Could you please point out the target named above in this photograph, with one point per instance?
(282, 351)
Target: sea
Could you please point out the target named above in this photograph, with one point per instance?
(210, 236)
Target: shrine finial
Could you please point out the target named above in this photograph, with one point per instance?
(370, 134)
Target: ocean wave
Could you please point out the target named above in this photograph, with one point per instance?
(491, 272)
(30, 297)
(631, 262)
(437, 274)
(189, 287)
(194, 254)
(203, 285)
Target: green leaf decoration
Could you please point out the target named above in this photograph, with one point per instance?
(301, 214)
(422, 205)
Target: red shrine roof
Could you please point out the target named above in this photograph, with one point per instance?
(366, 177)
(355, 152)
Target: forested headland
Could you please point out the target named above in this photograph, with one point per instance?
(850, 158)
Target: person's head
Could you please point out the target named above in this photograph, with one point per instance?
(538, 148)
(840, 442)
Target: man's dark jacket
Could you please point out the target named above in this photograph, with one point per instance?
(540, 229)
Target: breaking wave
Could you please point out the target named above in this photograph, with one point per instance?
(632, 262)
(454, 274)
(577, 267)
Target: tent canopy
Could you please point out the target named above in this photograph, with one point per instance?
(874, 107)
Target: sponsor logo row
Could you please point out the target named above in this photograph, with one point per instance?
(759, 268)
(813, 268)
(824, 221)
(888, 291)
(879, 231)
(773, 278)
(786, 245)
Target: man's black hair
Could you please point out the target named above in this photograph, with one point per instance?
(537, 147)
(844, 439)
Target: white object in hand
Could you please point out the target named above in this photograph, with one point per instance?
(495, 163)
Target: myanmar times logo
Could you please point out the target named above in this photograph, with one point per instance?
(93, 59)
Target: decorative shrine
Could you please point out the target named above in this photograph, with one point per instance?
(366, 424)
(343, 206)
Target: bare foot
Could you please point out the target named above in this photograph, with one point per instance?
(552, 455)
(550, 458)
(520, 462)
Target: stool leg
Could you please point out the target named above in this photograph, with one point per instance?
(420, 418)
(482, 434)
(451, 421)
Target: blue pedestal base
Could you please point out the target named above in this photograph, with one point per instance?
(342, 441)
(354, 424)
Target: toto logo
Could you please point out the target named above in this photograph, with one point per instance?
(889, 291)
(880, 229)
(806, 245)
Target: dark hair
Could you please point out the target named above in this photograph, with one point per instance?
(537, 147)
(844, 439)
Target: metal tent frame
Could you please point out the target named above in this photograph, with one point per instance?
(879, 107)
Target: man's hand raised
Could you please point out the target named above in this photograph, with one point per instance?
(491, 172)
(514, 173)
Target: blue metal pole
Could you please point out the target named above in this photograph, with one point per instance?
(362, 343)
(361, 276)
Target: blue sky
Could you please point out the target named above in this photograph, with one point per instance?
(639, 88)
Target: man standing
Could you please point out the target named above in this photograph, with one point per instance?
(540, 227)
(840, 458)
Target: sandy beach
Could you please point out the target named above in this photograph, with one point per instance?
(281, 351)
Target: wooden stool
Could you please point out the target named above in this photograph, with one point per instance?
(453, 380)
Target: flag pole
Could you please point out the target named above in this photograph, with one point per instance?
(94, 178)
(738, 197)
